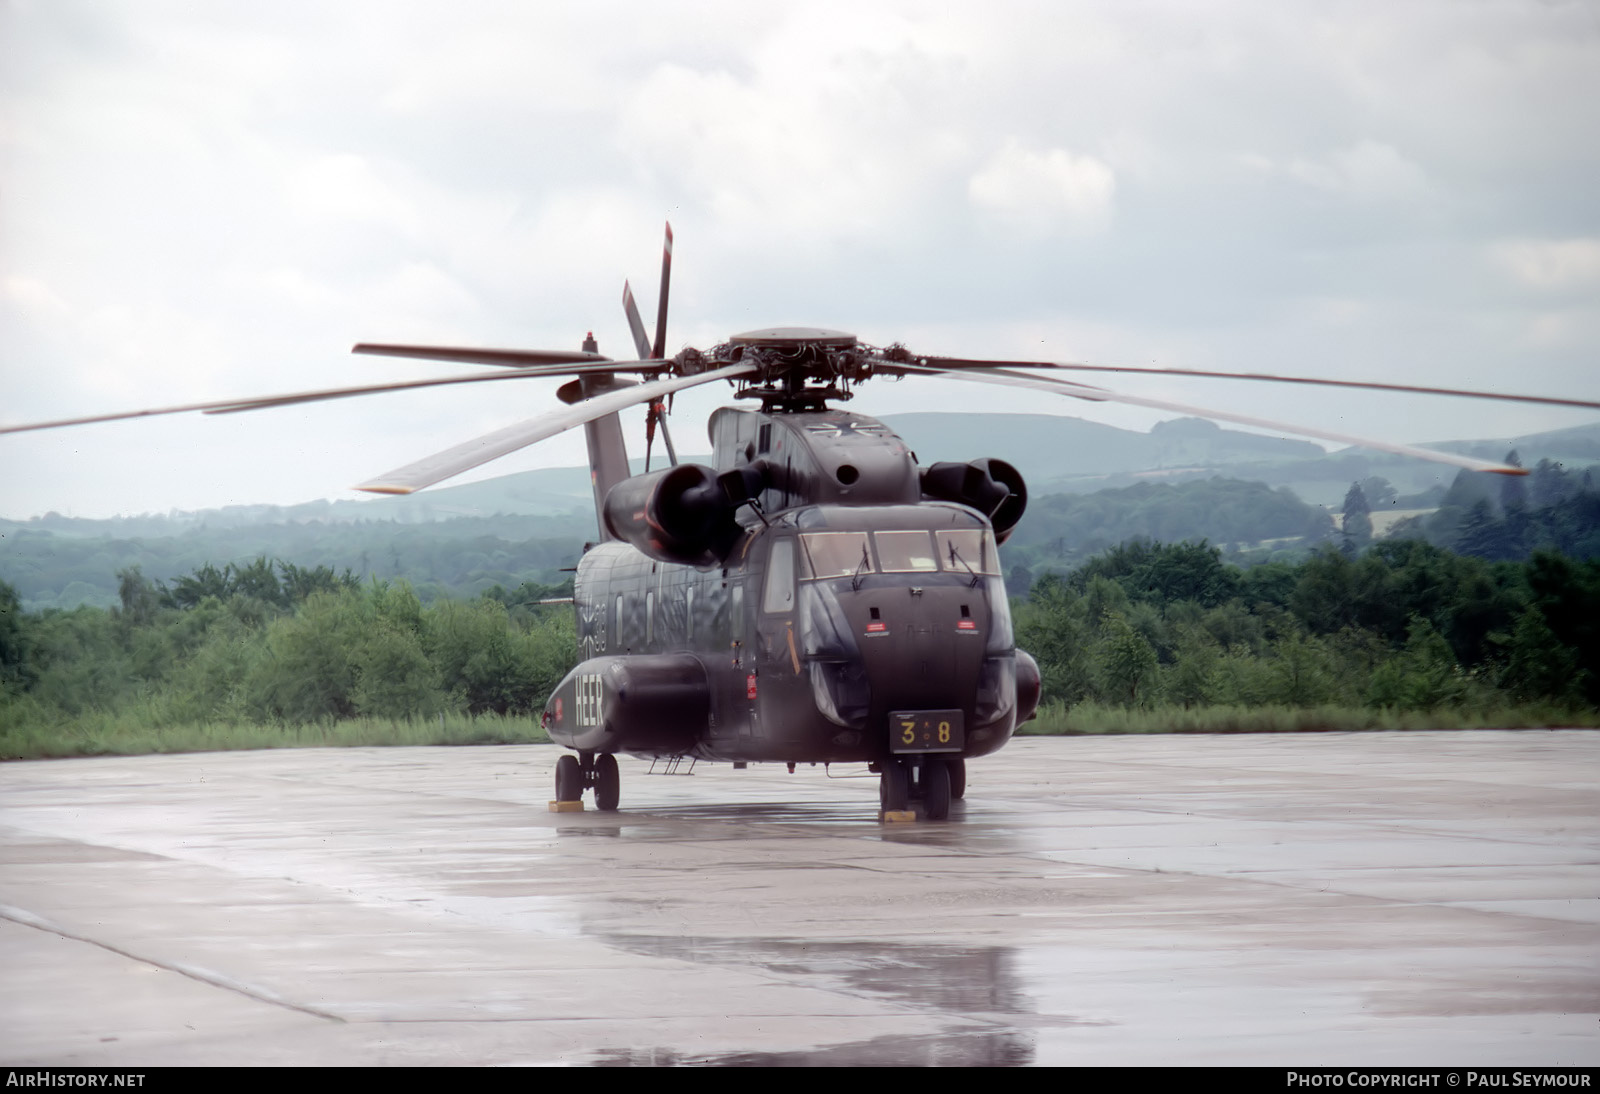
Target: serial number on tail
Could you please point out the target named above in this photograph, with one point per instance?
(926, 731)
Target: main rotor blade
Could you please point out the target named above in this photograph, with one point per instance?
(229, 406)
(268, 401)
(511, 358)
(659, 348)
(635, 324)
(958, 363)
(1007, 378)
(464, 457)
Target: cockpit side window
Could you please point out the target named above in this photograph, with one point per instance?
(778, 595)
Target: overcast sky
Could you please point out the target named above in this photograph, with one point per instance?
(202, 200)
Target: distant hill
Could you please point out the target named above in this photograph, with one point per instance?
(460, 540)
(1069, 455)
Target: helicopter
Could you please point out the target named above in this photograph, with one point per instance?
(815, 595)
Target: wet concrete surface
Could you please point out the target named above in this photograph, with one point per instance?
(1331, 899)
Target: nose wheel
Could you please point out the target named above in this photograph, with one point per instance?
(894, 786)
(574, 774)
(938, 782)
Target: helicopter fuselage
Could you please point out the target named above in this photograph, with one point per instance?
(847, 618)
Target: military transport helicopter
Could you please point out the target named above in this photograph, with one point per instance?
(815, 596)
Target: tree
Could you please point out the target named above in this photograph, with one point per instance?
(1125, 662)
(1423, 677)
(140, 598)
(1052, 625)
(1540, 667)
(1513, 488)
(1379, 491)
(14, 670)
(1549, 484)
(1356, 531)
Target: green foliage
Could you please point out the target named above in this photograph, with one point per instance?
(1404, 627)
(1539, 666)
(14, 672)
(1124, 662)
(1405, 630)
(1052, 624)
(1425, 676)
(278, 646)
(1164, 573)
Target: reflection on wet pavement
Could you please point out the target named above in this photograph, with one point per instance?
(940, 978)
(977, 1048)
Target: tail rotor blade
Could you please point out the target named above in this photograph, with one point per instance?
(641, 340)
(660, 346)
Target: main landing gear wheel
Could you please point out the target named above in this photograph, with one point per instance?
(936, 788)
(958, 778)
(607, 783)
(894, 787)
(569, 779)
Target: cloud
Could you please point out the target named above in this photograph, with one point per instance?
(1551, 264)
(343, 187)
(1366, 171)
(1050, 190)
(33, 297)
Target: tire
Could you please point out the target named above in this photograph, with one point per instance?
(607, 783)
(569, 780)
(958, 778)
(936, 788)
(894, 787)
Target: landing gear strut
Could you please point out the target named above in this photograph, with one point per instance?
(937, 781)
(575, 773)
(935, 787)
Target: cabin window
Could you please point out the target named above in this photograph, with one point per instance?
(905, 552)
(688, 612)
(649, 618)
(764, 437)
(835, 554)
(967, 550)
(617, 630)
(779, 593)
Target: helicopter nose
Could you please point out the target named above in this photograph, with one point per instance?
(920, 659)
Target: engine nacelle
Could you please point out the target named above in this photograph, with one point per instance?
(992, 487)
(1029, 686)
(681, 514)
(648, 704)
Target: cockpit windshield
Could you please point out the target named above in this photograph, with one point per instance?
(905, 552)
(967, 549)
(852, 554)
(835, 554)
